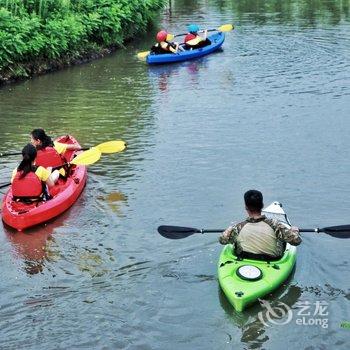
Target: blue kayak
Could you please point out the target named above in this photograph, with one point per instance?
(216, 41)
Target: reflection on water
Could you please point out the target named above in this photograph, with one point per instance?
(116, 201)
(34, 251)
(91, 262)
(303, 12)
(254, 334)
(296, 12)
(36, 246)
(166, 74)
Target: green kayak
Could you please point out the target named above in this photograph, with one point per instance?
(245, 280)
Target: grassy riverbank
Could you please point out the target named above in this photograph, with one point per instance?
(37, 36)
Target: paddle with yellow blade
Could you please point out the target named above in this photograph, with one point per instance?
(85, 158)
(223, 28)
(111, 146)
(105, 147)
(94, 153)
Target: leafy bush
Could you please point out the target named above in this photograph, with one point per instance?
(44, 30)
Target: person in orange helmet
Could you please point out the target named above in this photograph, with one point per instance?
(163, 45)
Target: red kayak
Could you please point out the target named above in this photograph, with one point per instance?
(21, 215)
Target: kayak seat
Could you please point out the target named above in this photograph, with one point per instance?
(261, 257)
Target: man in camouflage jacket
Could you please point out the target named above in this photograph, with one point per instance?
(259, 236)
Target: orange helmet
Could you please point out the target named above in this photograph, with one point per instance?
(161, 36)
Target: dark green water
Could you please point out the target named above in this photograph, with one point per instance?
(270, 111)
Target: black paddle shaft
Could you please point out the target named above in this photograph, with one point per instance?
(200, 31)
(5, 185)
(178, 232)
(10, 154)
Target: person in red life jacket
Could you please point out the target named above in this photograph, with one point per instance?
(193, 40)
(48, 151)
(28, 180)
(163, 45)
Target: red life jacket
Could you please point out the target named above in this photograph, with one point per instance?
(29, 186)
(48, 157)
(189, 37)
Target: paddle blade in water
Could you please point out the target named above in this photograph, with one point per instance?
(342, 231)
(88, 157)
(225, 28)
(177, 232)
(111, 146)
(143, 54)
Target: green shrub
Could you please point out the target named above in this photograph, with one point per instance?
(44, 30)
